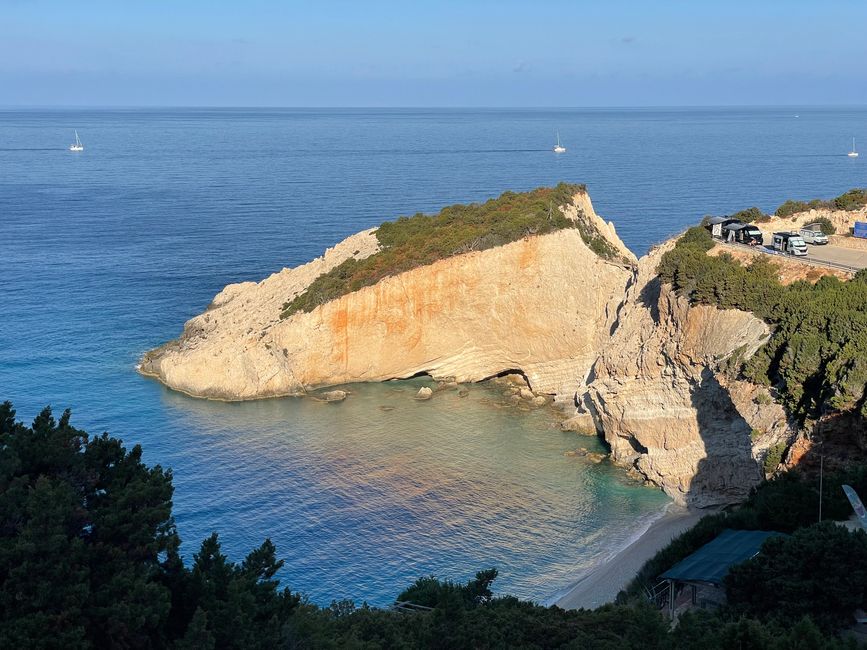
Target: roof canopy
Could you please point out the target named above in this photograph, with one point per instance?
(736, 226)
(712, 561)
(716, 220)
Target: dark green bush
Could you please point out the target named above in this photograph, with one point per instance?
(825, 225)
(791, 207)
(817, 354)
(820, 571)
(852, 200)
(750, 215)
(411, 242)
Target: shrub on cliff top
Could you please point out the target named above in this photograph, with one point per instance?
(854, 199)
(817, 354)
(411, 242)
(750, 215)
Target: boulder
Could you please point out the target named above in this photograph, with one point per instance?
(333, 395)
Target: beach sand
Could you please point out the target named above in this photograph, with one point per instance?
(602, 583)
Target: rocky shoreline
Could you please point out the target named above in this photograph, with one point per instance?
(602, 339)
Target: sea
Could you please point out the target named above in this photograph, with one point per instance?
(106, 253)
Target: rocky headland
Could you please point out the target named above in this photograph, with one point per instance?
(572, 311)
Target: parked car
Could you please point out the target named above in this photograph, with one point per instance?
(816, 237)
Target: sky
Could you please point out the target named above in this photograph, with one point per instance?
(423, 53)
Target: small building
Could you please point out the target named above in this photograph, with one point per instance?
(704, 571)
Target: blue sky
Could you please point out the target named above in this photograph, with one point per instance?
(472, 53)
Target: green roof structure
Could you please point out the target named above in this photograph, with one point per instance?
(711, 563)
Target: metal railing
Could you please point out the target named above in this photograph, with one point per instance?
(795, 258)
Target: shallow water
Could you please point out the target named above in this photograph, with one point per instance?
(106, 253)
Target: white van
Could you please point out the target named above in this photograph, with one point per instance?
(816, 237)
(790, 242)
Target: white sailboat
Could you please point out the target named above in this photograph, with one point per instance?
(76, 146)
(558, 148)
(853, 153)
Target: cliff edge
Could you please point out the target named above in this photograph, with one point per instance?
(542, 305)
(571, 310)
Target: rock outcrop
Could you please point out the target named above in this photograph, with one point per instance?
(543, 306)
(660, 396)
(629, 358)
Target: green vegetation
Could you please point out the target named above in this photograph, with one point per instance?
(89, 553)
(88, 559)
(817, 354)
(788, 502)
(825, 225)
(851, 200)
(750, 215)
(820, 571)
(774, 457)
(411, 242)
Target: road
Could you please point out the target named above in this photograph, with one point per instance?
(850, 257)
(838, 257)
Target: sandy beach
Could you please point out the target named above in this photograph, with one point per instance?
(602, 583)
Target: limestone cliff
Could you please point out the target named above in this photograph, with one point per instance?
(660, 396)
(543, 305)
(644, 368)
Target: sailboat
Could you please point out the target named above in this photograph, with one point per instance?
(853, 153)
(76, 146)
(558, 148)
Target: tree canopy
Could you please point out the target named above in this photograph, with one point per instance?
(817, 354)
(89, 553)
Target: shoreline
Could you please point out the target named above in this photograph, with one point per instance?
(602, 583)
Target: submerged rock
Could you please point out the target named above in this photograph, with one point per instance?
(424, 393)
(333, 395)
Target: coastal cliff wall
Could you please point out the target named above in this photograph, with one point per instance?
(543, 305)
(627, 357)
(659, 395)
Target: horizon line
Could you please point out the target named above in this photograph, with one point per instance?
(407, 107)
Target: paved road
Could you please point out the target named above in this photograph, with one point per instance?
(838, 255)
(834, 256)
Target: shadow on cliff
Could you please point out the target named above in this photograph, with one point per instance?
(837, 442)
(648, 297)
(728, 471)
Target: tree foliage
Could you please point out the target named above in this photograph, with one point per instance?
(817, 354)
(411, 242)
(820, 571)
(89, 559)
(89, 553)
(854, 199)
(750, 215)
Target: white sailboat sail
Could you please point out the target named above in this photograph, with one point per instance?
(76, 146)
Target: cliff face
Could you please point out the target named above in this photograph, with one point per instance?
(660, 398)
(644, 368)
(543, 305)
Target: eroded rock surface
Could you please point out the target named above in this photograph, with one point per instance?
(658, 394)
(643, 367)
(543, 305)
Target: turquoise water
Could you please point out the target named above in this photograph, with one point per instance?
(105, 254)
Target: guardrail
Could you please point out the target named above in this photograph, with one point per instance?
(806, 260)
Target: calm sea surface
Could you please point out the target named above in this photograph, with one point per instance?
(105, 254)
